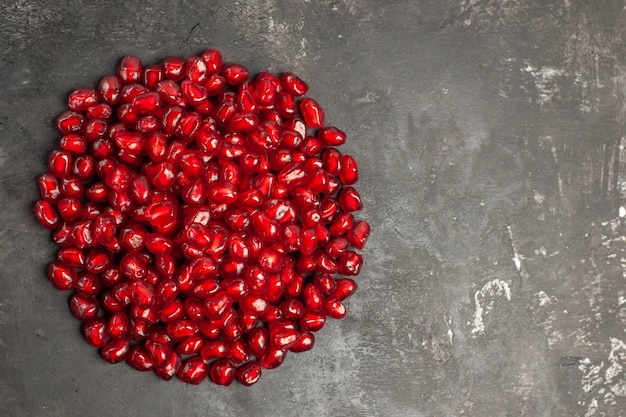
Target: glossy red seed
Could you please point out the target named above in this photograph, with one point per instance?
(139, 358)
(273, 358)
(249, 373)
(88, 284)
(49, 188)
(75, 144)
(235, 73)
(358, 234)
(83, 307)
(312, 321)
(222, 372)
(60, 163)
(169, 367)
(270, 260)
(332, 136)
(191, 345)
(70, 122)
(46, 214)
(349, 172)
(334, 308)
(196, 70)
(350, 200)
(216, 305)
(193, 371)
(95, 333)
(118, 325)
(213, 60)
(110, 88)
(312, 297)
(180, 329)
(116, 350)
(61, 276)
(215, 349)
(130, 70)
(98, 261)
(174, 67)
(160, 214)
(293, 84)
(312, 113)
(305, 342)
(147, 103)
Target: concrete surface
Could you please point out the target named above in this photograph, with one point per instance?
(491, 138)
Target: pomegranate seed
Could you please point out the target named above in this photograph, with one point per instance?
(174, 68)
(70, 122)
(350, 263)
(294, 85)
(169, 366)
(139, 358)
(116, 350)
(193, 371)
(222, 372)
(305, 342)
(72, 257)
(311, 321)
(130, 70)
(190, 345)
(234, 73)
(61, 276)
(249, 373)
(213, 60)
(118, 325)
(95, 333)
(273, 358)
(312, 113)
(331, 136)
(46, 214)
(110, 88)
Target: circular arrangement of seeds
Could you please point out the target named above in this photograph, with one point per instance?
(205, 218)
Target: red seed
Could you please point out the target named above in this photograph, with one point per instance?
(234, 73)
(46, 214)
(116, 350)
(95, 333)
(130, 70)
(193, 371)
(139, 358)
(222, 372)
(70, 122)
(249, 373)
(312, 113)
(61, 276)
(293, 84)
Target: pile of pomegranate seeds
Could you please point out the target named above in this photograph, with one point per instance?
(204, 218)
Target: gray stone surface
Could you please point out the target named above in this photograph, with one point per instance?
(491, 140)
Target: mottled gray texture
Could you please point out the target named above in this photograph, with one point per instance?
(490, 136)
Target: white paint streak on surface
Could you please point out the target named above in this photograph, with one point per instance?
(592, 409)
(484, 301)
(545, 82)
(621, 173)
(615, 377)
(517, 258)
(605, 380)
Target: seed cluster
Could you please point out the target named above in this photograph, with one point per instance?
(204, 217)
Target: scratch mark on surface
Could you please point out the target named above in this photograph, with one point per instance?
(517, 258)
(555, 158)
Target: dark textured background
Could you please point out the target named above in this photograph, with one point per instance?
(491, 140)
